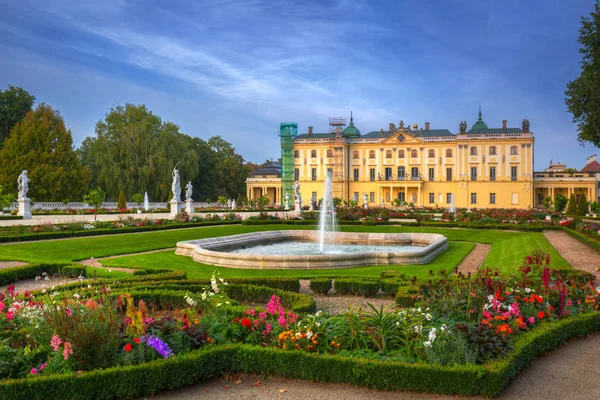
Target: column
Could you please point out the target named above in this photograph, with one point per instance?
(405, 193)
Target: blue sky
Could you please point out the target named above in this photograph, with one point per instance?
(238, 68)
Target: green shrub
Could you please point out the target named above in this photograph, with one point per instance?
(73, 271)
(357, 286)
(405, 297)
(321, 285)
(121, 201)
(262, 294)
(10, 275)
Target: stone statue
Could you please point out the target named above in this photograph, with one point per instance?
(413, 198)
(463, 126)
(23, 184)
(365, 198)
(188, 191)
(297, 192)
(286, 204)
(525, 125)
(175, 186)
(401, 124)
(233, 204)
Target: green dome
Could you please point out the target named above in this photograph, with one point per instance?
(479, 125)
(351, 131)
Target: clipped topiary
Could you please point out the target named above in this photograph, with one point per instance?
(121, 202)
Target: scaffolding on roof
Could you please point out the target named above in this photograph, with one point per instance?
(336, 122)
(287, 132)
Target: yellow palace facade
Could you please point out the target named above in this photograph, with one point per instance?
(476, 168)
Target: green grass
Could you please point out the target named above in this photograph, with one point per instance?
(168, 259)
(104, 273)
(507, 253)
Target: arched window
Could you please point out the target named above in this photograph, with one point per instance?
(371, 153)
(513, 150)
(388, 154)
(296, 154)
(492, 150)
(473, 150)
(413, 153)
(355, 154)
(448, 152)
(313, 153)
(431, 154)
(329, 153)
(400, 153)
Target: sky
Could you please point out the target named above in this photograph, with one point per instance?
(237, 68)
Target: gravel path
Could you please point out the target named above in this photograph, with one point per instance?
(570, 372)
(474, 259)
(10, 264)
(576, 253)
(32, 284)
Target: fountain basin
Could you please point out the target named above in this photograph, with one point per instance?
(218, 251)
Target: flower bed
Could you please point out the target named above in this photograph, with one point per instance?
(460, 335)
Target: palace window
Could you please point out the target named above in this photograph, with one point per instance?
(355, 154)
(313, 174)
(371, 153)
(473, 198)
(401, 173)
(448, 152)
(355, 174)
(473, 150)
(372, 174)
(296, 174)
(431, 154)
(402, 197)
(431, 198)
(413, 153)
(313, 153)
(372, 197)
(355, 198)
(400, 153)
(492, 150)
(296, 154)
(492, 173)
(414, 173)
(513, 173)
(431, 174)
(473, 173)
(492, 198)
(388, 154)
(448, 198)
(449, 174)
(329, 153)
(513, 150)
(388, 174)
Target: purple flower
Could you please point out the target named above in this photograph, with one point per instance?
(157, 344)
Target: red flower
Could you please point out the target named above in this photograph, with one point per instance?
(128, 347)
(246, 322)
(137, 340)
(541, 315)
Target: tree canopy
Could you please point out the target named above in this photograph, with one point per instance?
(42, 145)
(583, 93)
(15, 103)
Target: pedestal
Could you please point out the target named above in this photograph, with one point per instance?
(175, 207)
(366, 205)
(24, 208)
(286, 206)
(188, 207)
(297, 206)
(311, 208)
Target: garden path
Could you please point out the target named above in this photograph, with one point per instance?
(569, 372)
(576, 253)
(474, 259)
(11, 264)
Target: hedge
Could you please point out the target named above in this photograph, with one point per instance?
(10, 217)
(10, 275)
(301, 303)
(73, 271)
(594, 244)
(405, 297)
(148, 378)
(321, 285)
(357, 286)
(106, 231)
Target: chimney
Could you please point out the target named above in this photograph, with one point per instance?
(503, 124)
(426, 126)
(392, 127)
(310, 130)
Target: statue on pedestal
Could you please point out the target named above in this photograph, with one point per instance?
(23, 184)
(233, 205)
(175, 185)
(463, 126)
(297, 192)
(188, 191)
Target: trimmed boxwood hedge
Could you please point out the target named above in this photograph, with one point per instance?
(321, 285)
(10, 275)
(301, 303)
(357, 286)
(594, 244)
(148, 378)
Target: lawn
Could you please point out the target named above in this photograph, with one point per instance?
(508, 248)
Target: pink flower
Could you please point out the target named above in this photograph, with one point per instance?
(10, 315)
(44, 365)
(268, 328)
(55, 342)
(2, 306)
(148, 320)
(487, 315)
(531, 320)
(282, 321)
(33, 371)
(569, 303)
(68, 350)
(69, 312)
(262, 315)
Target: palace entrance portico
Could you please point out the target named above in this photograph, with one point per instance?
(407, 191)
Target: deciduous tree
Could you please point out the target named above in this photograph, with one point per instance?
(15, 103)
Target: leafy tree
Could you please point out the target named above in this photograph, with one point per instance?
(222, 200)
(582, 205)
(231, 172)
(560, 202)
(548, 203)
(6, 199)
(572, 207)
(138, 198)
(595, 207)
(42, 145)
(15, 103)
(95, 198)
(121, 202)
(583, 94)
(262, 202)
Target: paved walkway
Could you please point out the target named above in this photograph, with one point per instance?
(474, 259)
(570, 372)
(576, 253)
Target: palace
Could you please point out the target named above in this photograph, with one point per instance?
(477, 168)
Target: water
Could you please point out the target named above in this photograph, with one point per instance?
(298, 248)
(327, 218)
(146, 202)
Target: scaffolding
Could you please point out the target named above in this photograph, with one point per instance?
(336, 122)
(287, 132)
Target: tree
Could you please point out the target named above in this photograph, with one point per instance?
(582, 206)
(230, 168)
(547, 203)
(560, 202)
(6, 199)
(138, 198)
(15, 103)
(95, 198)
(121, 202)
(572, 207)
(42, 145)
(583, 94)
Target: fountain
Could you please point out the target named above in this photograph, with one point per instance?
(327, 218)
(324, 248)
(452, 208)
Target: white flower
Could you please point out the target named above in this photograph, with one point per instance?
(428, 317)
(432, 334)
(397, 323)
(318, 324)
(203, 295)
(46, 278)
(89, 286)
(190, 301)
(319, 313)
(309, 334)
(298, 335)
(491, 297)
(527, 290)
(427, 343)
(76, 296)
(219, 304)
(211, 294)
